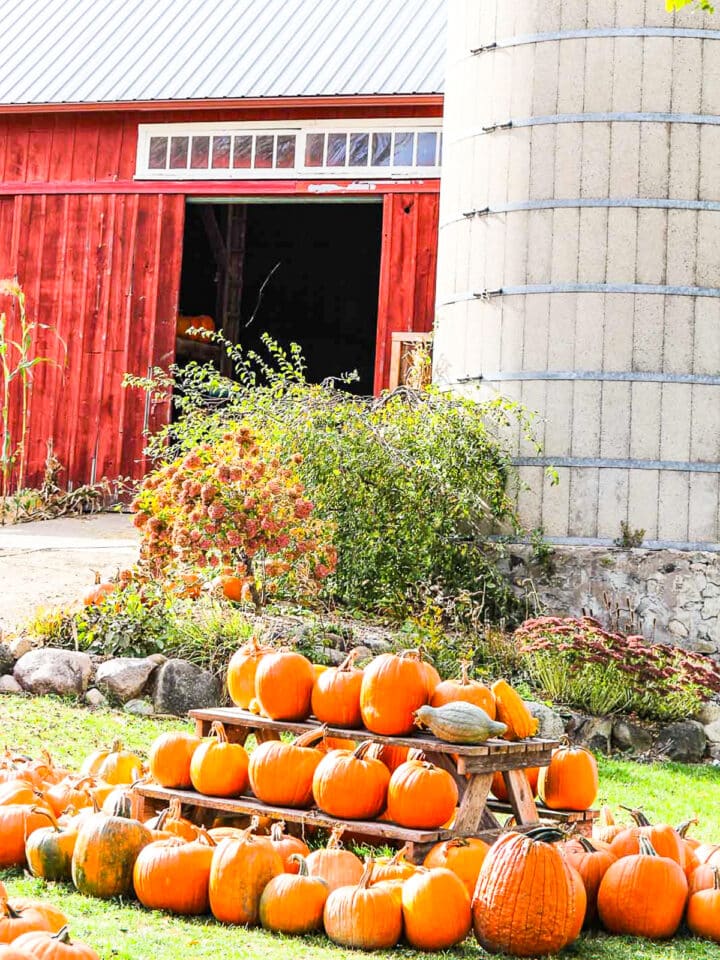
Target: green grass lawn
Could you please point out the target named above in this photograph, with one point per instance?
(122, 930)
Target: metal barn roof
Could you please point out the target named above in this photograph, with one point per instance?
(84, 51)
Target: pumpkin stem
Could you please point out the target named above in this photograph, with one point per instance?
(117, 746)
(638, 816)
(716, 878)
(606, 817)
(364, 881)
(647, 848)
(410, 654)
(334, 841)
(586, 844)
(218, 730)
(46, 812)
(545, 835)
(464, 671)
(310, 738)
(361, 749)
(299, 859)
(349, 661)
(277, 831)
(207, 838)
(400, 854)
(682, 828)
(63, 936)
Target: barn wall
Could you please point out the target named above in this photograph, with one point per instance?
(102, 272)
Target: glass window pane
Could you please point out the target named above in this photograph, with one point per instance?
(264, 151)
(221, 153)
(242, 151)
(285, 151)
(200, 153)
(359, 149)
(403, 150)
(381, 150)
(158, 153)
(337, 150)
(314, 146)
(426, 148)
(179, 152)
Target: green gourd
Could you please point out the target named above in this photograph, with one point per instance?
(459, 722)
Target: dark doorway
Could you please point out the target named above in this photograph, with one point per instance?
(303, 272)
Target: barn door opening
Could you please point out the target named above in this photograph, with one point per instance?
(304, 272)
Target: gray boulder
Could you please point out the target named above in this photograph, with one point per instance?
(596, 734)
(684, 741)
(95, 699)
(124, 678)
(47, 670)
(8, 684)
(19, 646)
(712, 731)
(139, 708)
(181, 686)
(627, 735)
(7, 660)
(708, 713)
(551, 725)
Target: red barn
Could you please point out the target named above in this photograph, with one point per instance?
(272, 163)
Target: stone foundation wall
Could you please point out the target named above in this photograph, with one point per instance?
(674, 595)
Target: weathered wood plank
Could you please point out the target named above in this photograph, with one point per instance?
(472, 807)
(545, 813)
(520, 796)
(315, 818)
(419, 741)
(506, 761)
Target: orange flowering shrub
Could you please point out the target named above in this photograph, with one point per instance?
(234, 510)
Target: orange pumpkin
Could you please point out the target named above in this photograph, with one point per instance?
(174, 875)
(172, 822)
(55, 946)
(463, 855)
(663, 838)
(281, 774)
(337, 866)
(17, 822)
(11, 952)
(392, 756)
(436, 909)
(170, 757)
(350, 785)
(105, 854)
(528, 900)
(49, 851)
(291, 849)
(499, 788)
(605, 828)
(294, 902)
(336, 694)
(421, 795)
(570, 781)
(393, 687)
(241, 869)
(54, 918)
(592, 863)
(643, 894)
(241, 672)
(396, 867)
(219, 768)
(703, 911)
(471, 691)
(185, 324)
(119, 766)
(365, 917)
(14, 921)
(283, 685)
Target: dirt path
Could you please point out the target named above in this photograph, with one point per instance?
(51, 562)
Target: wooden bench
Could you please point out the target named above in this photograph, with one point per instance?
(472, 766)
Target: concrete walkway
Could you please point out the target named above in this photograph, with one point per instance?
(50, 563)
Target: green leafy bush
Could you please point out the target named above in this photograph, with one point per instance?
(414, 481)
(576, 662)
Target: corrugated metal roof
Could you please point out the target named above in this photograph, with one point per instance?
(85, 51)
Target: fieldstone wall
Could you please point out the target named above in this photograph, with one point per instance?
(674, 595)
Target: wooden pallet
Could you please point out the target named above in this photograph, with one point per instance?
(581, 820)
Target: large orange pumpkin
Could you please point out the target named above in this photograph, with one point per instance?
(17, 822)
(393, 687)
(421, 795)
(592, 863)
(174, 875)
(471, 691)
(281, 774)
(336, 694)
(105, 854)
(170, 757)
(337, 866)
(291, 849)
(350, 785)
(570, 781)
(119, 766)
(219, 768)
(283, 685)
(463, 855)
(14, 922)
(240, 871)
(528, 901)
(363, 916)
(643, 895)
(54, 946)
(436, 909)
(241, 672)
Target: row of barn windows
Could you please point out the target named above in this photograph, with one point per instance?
(330, 150)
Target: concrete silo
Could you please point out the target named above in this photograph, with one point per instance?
(579, 261)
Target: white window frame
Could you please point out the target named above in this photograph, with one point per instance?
(300, 129)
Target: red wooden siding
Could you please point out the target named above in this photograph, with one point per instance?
(103, 272)
(407, 272)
